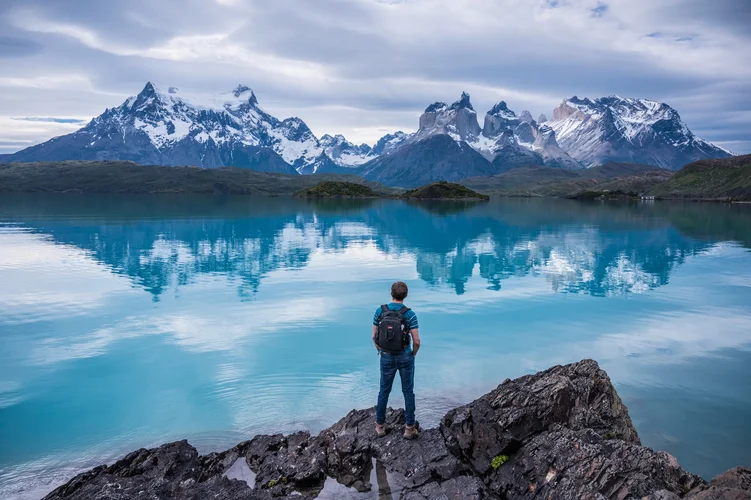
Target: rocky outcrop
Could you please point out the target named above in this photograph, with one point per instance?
(457, 120)
(559, 434)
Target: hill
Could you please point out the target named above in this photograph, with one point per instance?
(130, 177)
(437, 157)
(337, 189)
(536, 180)
(716, 179)
(443, 191)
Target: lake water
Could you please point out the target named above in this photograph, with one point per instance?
(131, 321)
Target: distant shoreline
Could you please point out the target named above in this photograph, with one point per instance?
(716, 181)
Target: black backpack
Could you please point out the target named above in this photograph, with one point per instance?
(393, 332)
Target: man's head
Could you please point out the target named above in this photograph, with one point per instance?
(399, 291)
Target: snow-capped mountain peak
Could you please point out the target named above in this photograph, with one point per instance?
(345, 153)
(501, 110)
(514, 140)
(463, 102)
(526, 116)
(178, 127)
(458, 120)
(614, 128)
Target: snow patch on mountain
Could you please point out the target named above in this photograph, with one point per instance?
(344, 153)
(614, 128)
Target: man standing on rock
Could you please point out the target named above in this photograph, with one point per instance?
(393, 325)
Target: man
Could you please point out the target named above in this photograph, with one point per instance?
(393, 325)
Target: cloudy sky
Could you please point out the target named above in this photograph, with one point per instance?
(367, 67)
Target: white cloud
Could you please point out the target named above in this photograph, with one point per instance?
(362, 67)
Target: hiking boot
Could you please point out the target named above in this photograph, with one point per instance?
(411, 432)
(380, 430)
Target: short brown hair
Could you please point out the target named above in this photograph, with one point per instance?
(399, 290)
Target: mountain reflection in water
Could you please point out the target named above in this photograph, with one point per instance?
(166, 242)
(129, 321)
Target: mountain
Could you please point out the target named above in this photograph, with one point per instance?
(717, 179)
(344, 153)
(505, 139)
(533, 180)
(179, 128)
(458, 121)
(389, 143)
(595, 131)
(174, 127)
(450, 145)
(437, 157)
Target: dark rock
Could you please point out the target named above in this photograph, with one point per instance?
(559, 434)
(578, 395)
(567, 464)
(734, 484)
(170, 471)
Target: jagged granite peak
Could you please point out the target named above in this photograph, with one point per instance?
(547, 146)
(614, 128)
(526, 132)
(511, 141)
(526, 116)
(436, 107)
(458, 121)
(463, 102)
(501, 109)
(498, 119)
(542, 118)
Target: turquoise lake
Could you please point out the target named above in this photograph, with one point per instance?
(129, 321)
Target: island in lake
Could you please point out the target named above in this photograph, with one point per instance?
(338, 189)
(441, 190)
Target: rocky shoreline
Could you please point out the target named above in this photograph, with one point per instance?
(558, 434)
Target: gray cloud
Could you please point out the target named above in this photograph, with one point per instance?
(366, 67)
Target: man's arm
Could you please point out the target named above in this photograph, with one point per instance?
(415, 340)
(375, 331)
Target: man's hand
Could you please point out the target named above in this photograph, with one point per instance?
(415, 341)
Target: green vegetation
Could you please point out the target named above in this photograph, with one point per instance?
(537, 181)
(274, 482)
(443, 190)
(609, 435)
(727, 179)
(498, 461)
(336, 189)
(129, 177)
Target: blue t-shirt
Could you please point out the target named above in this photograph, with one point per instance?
(410, 318)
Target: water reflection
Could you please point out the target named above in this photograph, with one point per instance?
(139, 320)
(165, 243)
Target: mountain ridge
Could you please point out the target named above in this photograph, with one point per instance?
(175, 127)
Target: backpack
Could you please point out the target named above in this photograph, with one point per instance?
(393, 332)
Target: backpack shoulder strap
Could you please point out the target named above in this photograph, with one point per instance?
(404, 310)
(384, 308)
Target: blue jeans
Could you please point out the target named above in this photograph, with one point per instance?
(390, 364)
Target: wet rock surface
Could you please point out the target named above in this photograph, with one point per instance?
(559, 434)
